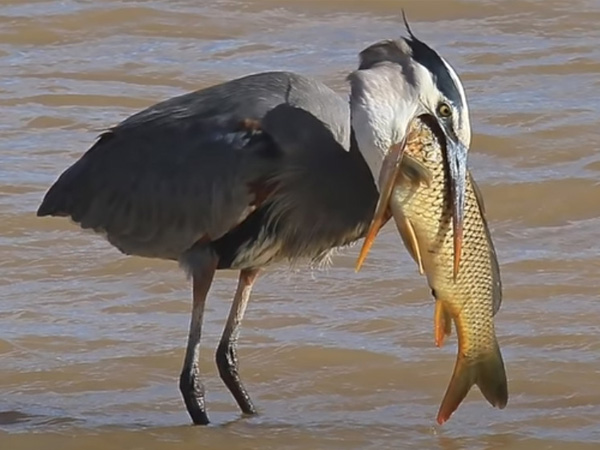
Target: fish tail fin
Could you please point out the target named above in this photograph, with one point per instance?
(489, 375)
(491, 379)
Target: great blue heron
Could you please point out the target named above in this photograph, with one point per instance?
(268, 167)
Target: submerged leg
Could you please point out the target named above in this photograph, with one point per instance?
(190, 385)
(226, 356)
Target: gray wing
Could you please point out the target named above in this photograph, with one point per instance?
(326, 195)
(182, 171)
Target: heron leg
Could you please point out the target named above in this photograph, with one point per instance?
(190, 385)
(226, 355)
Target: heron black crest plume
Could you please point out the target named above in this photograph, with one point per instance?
(432, 61)
(411, 47)
(410, 33)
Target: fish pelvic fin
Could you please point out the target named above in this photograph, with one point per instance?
(442, 323)
(487, 372)
(409, 237)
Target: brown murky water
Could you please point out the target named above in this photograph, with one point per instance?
(91, 342)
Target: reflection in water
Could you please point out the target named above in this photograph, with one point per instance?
(92, 341)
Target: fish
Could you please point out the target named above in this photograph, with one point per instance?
(422, 210)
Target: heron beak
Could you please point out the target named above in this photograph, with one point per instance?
(387, 178)
(456, 156)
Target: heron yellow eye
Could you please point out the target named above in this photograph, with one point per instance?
(444, 110)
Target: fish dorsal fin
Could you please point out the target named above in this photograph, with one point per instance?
(478, 195)
(497, 283)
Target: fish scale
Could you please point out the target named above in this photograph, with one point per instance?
(422, 209)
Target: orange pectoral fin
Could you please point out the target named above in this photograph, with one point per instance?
(387, 180)
(377, 224)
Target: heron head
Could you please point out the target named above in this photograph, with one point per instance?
(396, 82)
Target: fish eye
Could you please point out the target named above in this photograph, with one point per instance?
(444, 110)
